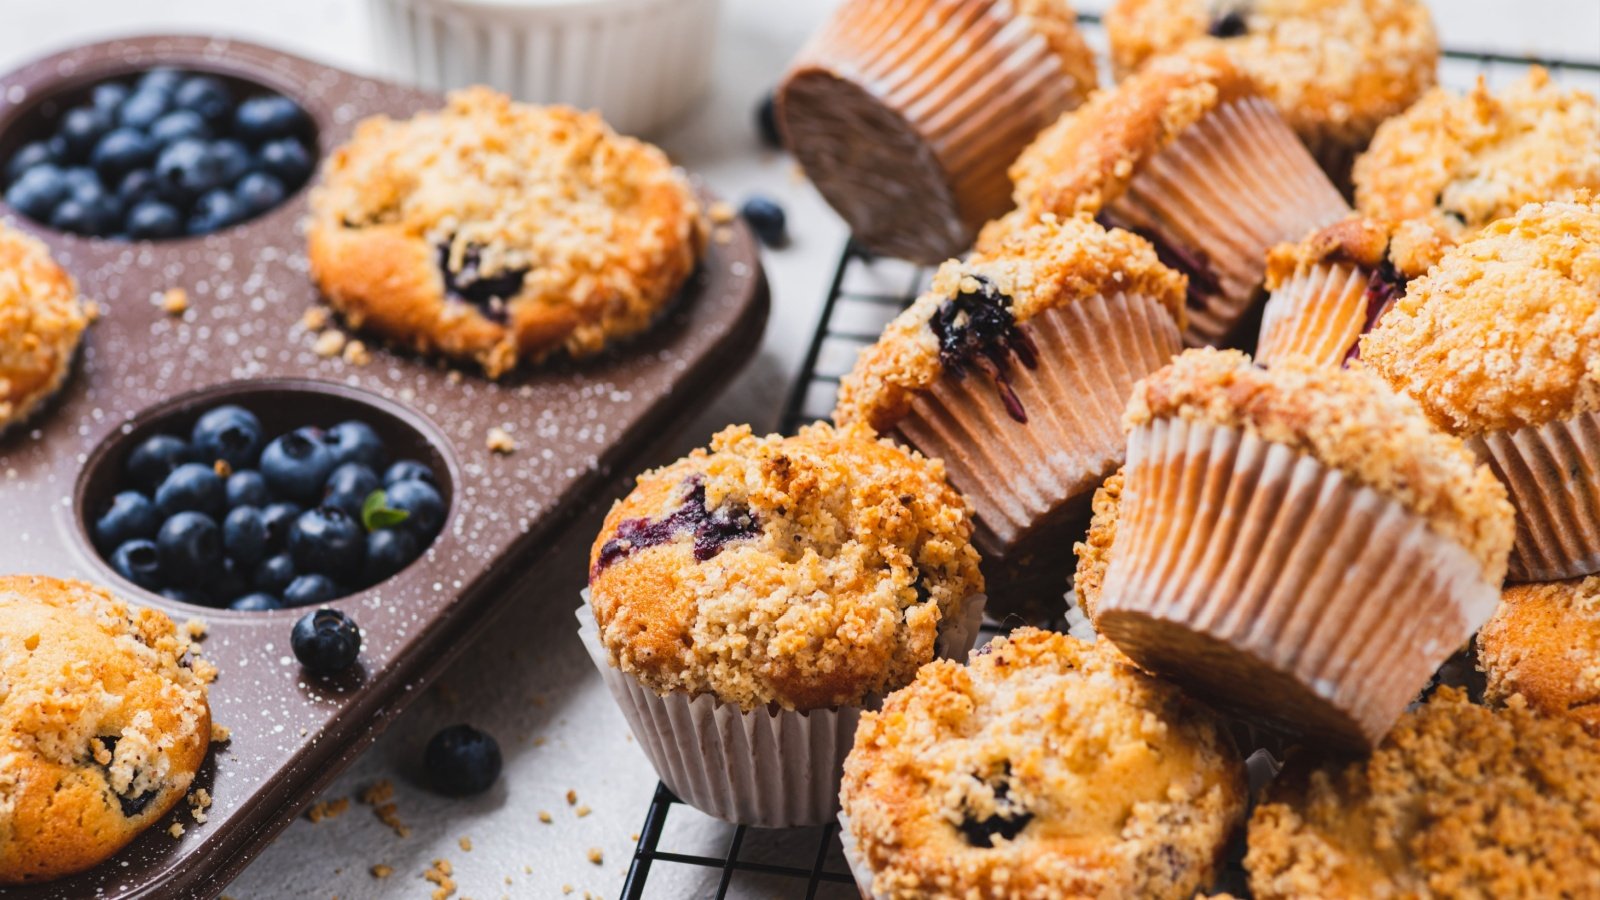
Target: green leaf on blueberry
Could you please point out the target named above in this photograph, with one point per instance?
(376, 513)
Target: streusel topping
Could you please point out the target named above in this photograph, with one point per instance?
(1459, 801)
(1457, 163)
(1049, 767)
(1032, 268)
(1505, 331)
(1544, 644)
(808, 571)
(1349, 420)
(1094, 551)
(1409, 247)
(41, 321)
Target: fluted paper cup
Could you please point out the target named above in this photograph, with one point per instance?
(854, 861)
(1260, 578)
(1319, 314)
(1030, 482)
(906, 113)
(1215, 200)
(767, 768)
(1552, 473)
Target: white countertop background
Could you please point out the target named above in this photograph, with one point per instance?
(529, 682)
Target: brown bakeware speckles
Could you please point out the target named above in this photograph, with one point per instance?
(142, 369)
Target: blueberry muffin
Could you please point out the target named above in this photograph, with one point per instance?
(1189, 155)
(1460, 801)
(1500, 344)
(1544, 644)
(1093, 553)
(1049, 767)
(1014, 369)
(103, 724)
(41, 322)
(1455, 163)
(905, 113)
(1335, 69)
(496, 232)
(1266, 521)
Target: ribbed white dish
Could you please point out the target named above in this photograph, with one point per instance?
(639, 62)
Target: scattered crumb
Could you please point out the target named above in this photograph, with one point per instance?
(327, 809)
(176, 830)
(173, 301)
(527, 870)
(572, 798)
(220, 734)
(315, 319)
(545, 817)
(380, 791)
(501, 441)
(566, 889)
(595, 856)
(199, 802)
(508, 879)
(357, 354)
(439, 874)
(379, 795)
(540, 741)
(388, 815)
(222, 468)
(329, 344)
(454, 376)
(634, 837)
(381, 871)
(722, 212)
(722, 235)
(92, 311)
(195, 629)
(583, 811)
(465, 843)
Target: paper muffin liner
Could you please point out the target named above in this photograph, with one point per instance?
(1273, 585)
(1030, 482)
(1318, 314)
(1225, 191)
(906, 113)
(1552, 473)
(854, 861)
(769, 769)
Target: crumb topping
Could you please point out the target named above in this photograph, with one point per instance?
(1459, 801)
(1334, 68)
(843, 556)
(1094, 551)
(1038, 266)
(1048, 767)
(1359, 241)
(1087, 158)
(42, 319)
(1544, 644)
(1457, 163)
(1349, 420)
(1505, 332)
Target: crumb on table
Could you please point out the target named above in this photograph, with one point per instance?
(500, 441)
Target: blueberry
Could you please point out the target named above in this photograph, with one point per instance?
(192, 487)
(191, 548)
(215, 210)
(309, 590)
(230, 433)
(121, 151)
(261, 119)
(244, 535)
(356, 441)
(1228, 25)
(82, 127)
(161, 80)
(139, 562)
(152, 220)
(38, 191)
(297, 465)
(274, 575)
(461, 760)
(153, 460)
(186, 168)
(286, 158)
(233, 157)
(136, 186)
(326, 641)
(205, 95)
(408, 470)
(279, 519)
(191, 596)
(130, 516)
(82, 180)
(109, 96)
(88, 211)
(256, 193)
(767, 121)
(258, 601)
(246, 487)
(348, 488)
(766, 219)
(232, 580)
(388, 551)
(143, 109)
(177, 125)
(423, 503)
(27, 156)
(325, 541)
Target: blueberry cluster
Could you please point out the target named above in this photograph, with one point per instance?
(168, 154)
(226, 518)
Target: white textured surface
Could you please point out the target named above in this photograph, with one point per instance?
(530, 678)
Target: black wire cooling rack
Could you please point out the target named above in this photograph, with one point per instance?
(866, 292)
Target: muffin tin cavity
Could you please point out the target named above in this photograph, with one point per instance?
(156, 154)
(306, 550)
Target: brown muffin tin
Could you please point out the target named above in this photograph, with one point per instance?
(142, 371)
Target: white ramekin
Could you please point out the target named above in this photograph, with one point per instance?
(639, 62)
